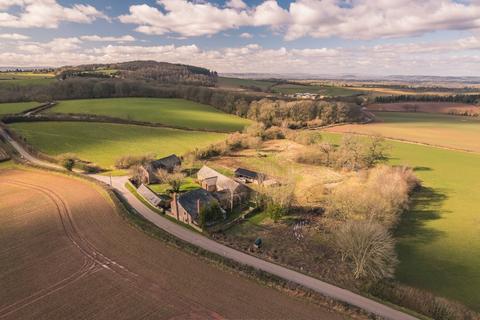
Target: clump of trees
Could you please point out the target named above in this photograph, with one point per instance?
(353, 153)
(380, 195)
(369, 207)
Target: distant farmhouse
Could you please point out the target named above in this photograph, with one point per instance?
(148, 170)
(186, 207)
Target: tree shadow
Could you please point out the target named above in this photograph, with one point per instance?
(426, 205)
(422, 169)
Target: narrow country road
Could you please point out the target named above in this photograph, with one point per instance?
(196, 239)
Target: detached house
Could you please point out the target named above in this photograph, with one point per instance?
(186, 207)
(168, 163)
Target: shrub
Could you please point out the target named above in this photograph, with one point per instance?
(68, 160)
(274, 133)
(88, 167)
(305, 137)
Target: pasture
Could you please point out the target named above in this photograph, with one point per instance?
(170, 112)
(244, 83)
(439, 238)
(11, 108)
(103, 143)
(456, 132)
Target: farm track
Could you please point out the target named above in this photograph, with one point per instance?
(107, 269)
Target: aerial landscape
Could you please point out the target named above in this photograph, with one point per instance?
(234, 159)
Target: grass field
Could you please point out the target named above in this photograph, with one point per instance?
(439, 239)
(104, 143)
(320, 89)
(175, 112)
(10, 108)
(455, 132)
(239, 83)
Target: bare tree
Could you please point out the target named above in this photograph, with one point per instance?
(173, 179)
(368, 247)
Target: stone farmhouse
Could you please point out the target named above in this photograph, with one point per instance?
(148, 170)
(186, 207)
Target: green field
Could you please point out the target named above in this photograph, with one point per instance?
(244, 83)
(104, 143)
(173, 112)
(439, 239)
(11, 108)
(322, 90)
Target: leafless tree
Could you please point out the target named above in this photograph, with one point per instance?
(368, 247)
(174, 179)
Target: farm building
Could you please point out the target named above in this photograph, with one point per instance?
(249, 176)
(228, 191)
(186, 207)
(148, 170)
(152, 197)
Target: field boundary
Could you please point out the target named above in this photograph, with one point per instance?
(55, 117)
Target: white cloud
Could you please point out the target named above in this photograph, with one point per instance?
(236, 4)
(45, 14)
(351, 19)
(13, 36)
(96, 38)
(246, 35)
(56, 45)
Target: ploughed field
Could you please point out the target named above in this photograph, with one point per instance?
(17, 107)
(104, 143)
(455, 132)
(68, 254)
(169, 112)
(439, 238)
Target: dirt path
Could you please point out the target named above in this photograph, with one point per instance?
(67, 254)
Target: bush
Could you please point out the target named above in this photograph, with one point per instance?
(274, 133)
(68, 161)
(88, 167)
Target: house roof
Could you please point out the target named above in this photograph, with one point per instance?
(149, 195)
(169, 162)
(246, 173)
(223, 182)
(189, 200)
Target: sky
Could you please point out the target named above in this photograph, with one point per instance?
(317, 37)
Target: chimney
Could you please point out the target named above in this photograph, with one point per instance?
(175, 204)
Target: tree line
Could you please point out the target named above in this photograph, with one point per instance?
(457, 98)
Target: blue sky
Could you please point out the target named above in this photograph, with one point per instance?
(374, 37)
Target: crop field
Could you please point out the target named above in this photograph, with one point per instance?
(439, 238)
(67, 253)
(174, 112)
(10, 108)
(456, 132)
(25, 78)
(103, 143)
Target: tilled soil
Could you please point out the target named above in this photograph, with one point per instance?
(67, 254)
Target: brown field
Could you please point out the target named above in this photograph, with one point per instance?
(430, 107)
(67, 254)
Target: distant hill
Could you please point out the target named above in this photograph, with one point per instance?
(161, 72)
